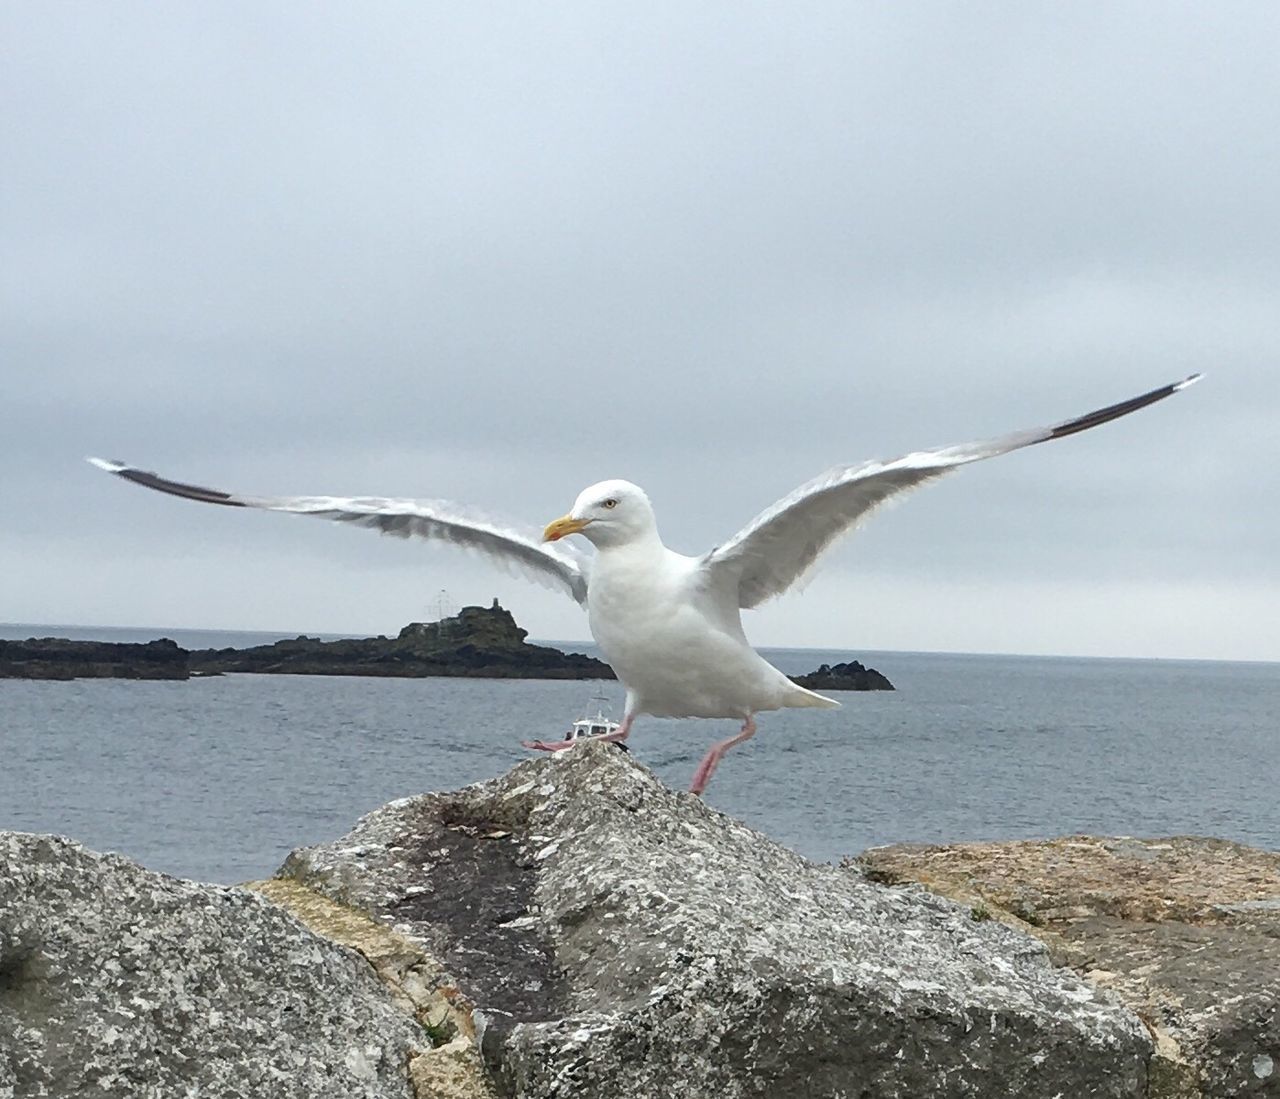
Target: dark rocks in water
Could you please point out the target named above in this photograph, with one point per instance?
(1185, 930)
(492, 627)
(853, 676)
(58, 658)
(116, 981)
(482, 642)
(624, 941)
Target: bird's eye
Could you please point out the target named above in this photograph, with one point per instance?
(610, 503)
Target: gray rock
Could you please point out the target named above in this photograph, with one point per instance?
(1184, 929)
(1213, 989)
(116, 981)
(623, 940)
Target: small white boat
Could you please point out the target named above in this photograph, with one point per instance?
(599, 725)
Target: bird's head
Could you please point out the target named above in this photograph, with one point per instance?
(609, 513)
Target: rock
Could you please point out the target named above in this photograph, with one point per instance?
(450, 1070)
(480, 642)
(58, 658)
(853, 676)
(624, 941)
(1186, 930)
(119, 982)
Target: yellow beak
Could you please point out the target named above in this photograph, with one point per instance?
(565, 525)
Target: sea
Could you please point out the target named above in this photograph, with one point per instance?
(218, 778)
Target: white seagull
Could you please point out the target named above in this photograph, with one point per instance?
(670, 625)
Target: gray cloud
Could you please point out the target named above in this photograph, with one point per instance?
(496, 254)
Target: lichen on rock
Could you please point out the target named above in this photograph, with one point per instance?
(1184, 929)
(449, 1065)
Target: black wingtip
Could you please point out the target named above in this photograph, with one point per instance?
(1123, 408)
(173, 488)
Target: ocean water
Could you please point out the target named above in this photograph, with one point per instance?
(217, 779)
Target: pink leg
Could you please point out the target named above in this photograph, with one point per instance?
(620, 733)
(707, 767)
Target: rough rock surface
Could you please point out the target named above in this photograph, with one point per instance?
(58, 658)
(119, 982)
(624, 941)
(451, 1067)
(851, 676)
(1185, 929)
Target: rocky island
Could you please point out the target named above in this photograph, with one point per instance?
(482, 642)
(478, 642)
(58, 658)
(852, 676)
(575, 928)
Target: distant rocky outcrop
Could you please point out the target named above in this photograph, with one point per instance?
(482, 642)
(620, 940)
(853, 676)
(1186, 930)
(58, 658)
(478, 642)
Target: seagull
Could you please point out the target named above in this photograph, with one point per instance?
(670, 625)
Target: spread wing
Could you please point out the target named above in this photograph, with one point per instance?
(508, 544)
(780, 545)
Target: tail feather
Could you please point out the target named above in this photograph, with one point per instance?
(802, 696)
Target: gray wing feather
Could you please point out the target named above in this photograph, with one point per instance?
(781, 544)
(508, 544)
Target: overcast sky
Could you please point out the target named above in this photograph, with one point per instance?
(494, 253)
